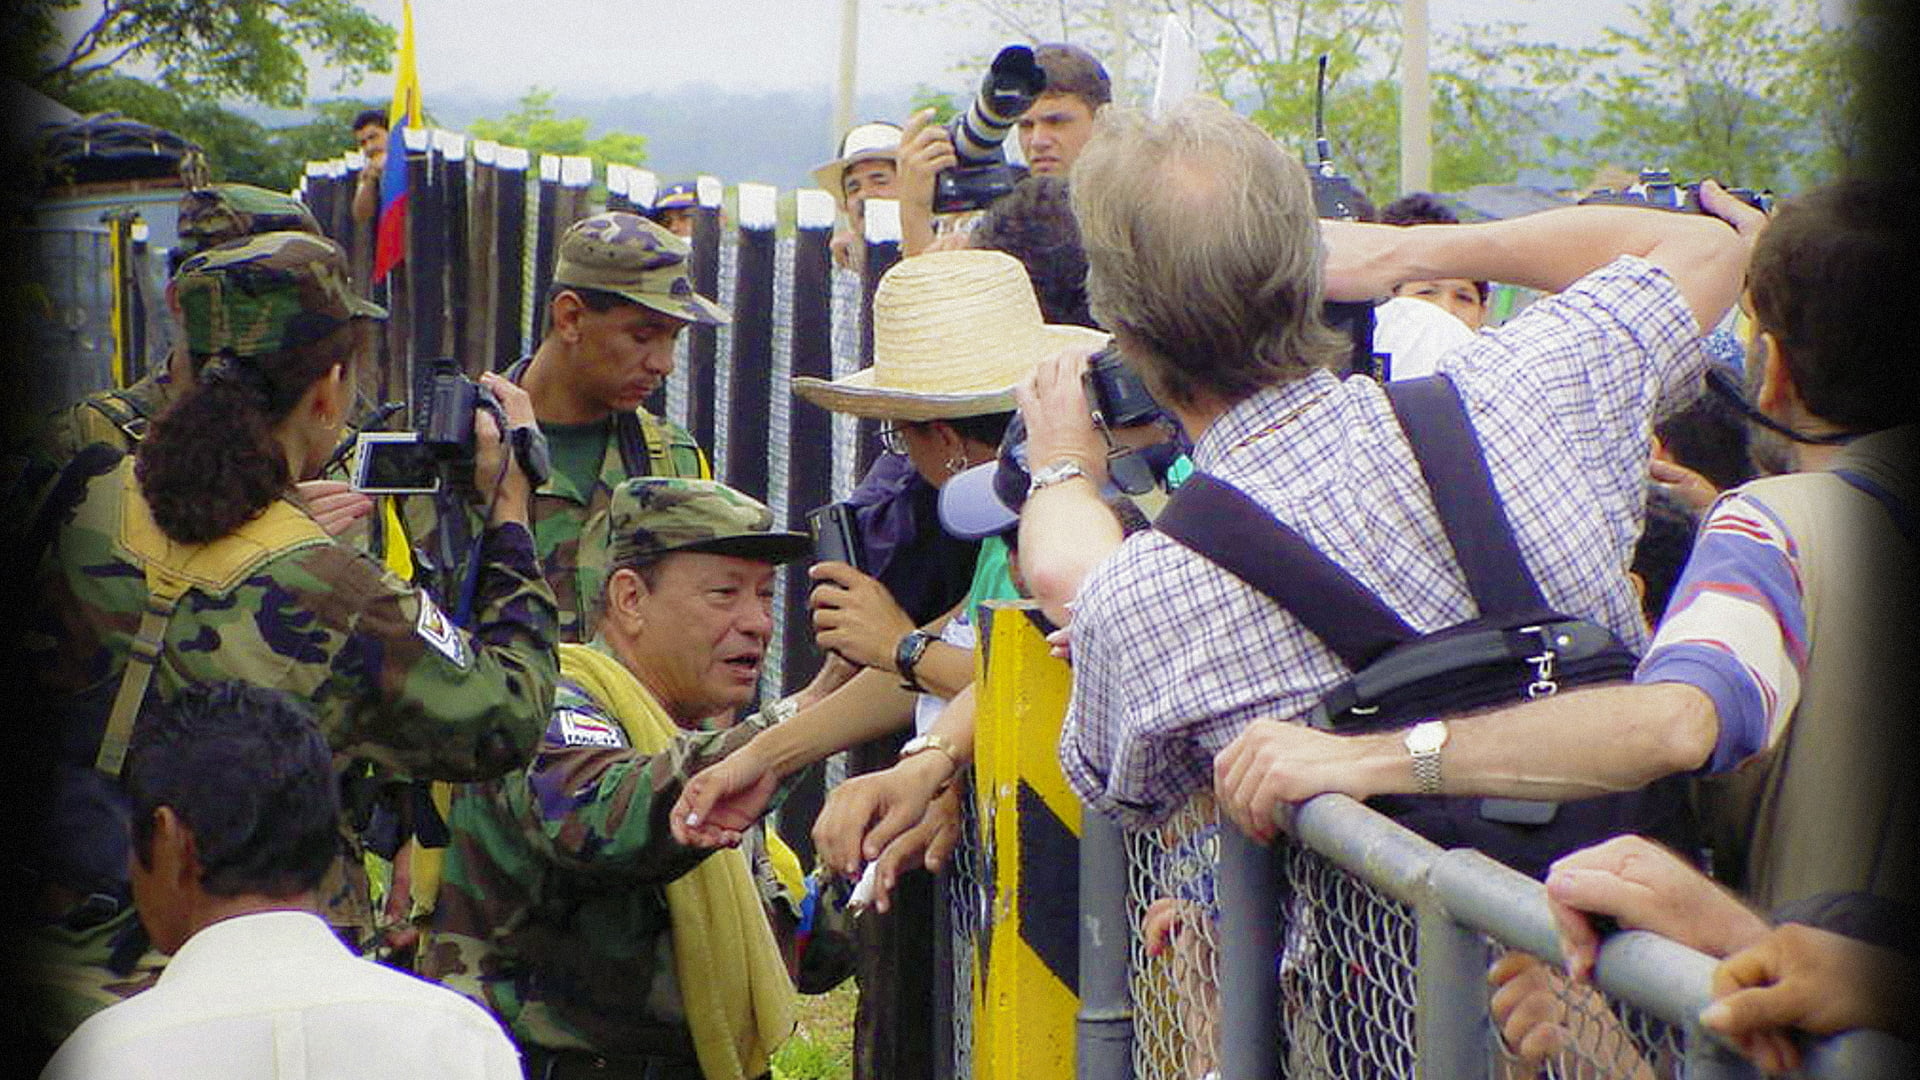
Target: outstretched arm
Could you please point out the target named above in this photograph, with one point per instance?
(1572, 745)
(1550, 251)
(721, 802)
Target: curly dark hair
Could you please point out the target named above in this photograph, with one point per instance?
(210, 462)
(1035, 224)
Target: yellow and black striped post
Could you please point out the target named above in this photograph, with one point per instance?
(1026, 987)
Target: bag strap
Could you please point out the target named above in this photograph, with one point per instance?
(1899, 511)
(122, 411)
(636, 456)
(1455, 468)
(143, 655)
(1222, 524)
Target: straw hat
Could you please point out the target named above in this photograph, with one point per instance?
(953, 333)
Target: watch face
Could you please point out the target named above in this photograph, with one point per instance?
(1426, 738)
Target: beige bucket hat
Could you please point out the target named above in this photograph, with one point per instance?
(876, 140)
(953, 333)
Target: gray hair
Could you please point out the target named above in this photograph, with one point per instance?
(1203, 252)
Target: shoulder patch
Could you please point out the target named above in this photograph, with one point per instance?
(437, 630)
(574, 727)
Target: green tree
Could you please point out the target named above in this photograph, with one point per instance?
(1263, 55)
(254, 50)
(1748, 91)
(536, 126)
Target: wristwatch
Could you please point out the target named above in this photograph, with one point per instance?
(1054, 472)
(1424, 741)
(929, 741)
(907, 654)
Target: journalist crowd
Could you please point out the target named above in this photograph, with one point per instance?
(482, 779)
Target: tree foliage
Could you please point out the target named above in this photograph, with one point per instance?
(1749, 91)
(254, 50)
(1263, 56)
(535, 125)
(237, 147)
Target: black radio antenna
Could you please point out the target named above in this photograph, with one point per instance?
(1320, 144)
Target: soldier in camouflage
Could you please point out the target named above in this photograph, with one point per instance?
(209, 217)
(619, 299)
(554, 908)
(198, 562)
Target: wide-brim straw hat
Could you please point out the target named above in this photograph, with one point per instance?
(953, 333)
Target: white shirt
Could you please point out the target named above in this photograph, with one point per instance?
(276, 995)
(1415, 334)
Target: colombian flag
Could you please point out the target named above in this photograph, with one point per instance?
(390, 240)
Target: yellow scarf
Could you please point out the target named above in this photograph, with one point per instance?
(738, 997)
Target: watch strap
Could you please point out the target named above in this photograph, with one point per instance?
(906, 656)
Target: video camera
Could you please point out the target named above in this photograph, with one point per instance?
(1656, 188)
(1012, 83)
(439, 450)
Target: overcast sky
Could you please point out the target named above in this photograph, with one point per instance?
(631, 46)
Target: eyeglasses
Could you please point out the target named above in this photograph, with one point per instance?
(892, 438)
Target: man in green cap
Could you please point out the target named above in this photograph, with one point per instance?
(621, 294)
(566, 907)
(209, 217)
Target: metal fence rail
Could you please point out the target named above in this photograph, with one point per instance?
(1381, 946)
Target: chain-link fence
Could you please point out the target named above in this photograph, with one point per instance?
(1376, 965)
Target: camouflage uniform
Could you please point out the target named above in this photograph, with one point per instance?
(390, 678)
(551, 910)
(627, 256)
(209, 217)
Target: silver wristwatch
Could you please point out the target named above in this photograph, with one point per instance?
(1424, 741)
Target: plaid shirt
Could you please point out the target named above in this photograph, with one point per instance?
(1173, 656)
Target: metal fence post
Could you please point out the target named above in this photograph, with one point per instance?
(1249, 943)
(1103, 1043)
(1452, 1033)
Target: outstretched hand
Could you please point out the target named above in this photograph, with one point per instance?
(866, 813)
(334, 504)
(928, 844)
(722, 801)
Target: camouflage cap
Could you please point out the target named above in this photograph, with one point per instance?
(263, 294)
(625, 254)
(655, 515)
(211, 216)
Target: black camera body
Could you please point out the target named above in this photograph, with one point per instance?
(439, 451)
(1011, 85)
(447, 403)
(836, 536)
(1116, 393)
(1656, 188)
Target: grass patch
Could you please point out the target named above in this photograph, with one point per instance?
(822, 1043)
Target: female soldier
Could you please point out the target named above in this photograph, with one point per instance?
(196, 562)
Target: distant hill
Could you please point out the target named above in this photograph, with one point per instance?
(772, 138)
